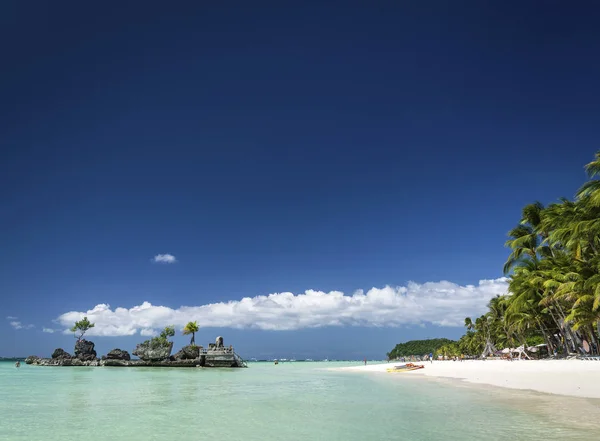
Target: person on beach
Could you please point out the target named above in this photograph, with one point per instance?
(431, 357)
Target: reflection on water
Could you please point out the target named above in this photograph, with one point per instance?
(291, 401)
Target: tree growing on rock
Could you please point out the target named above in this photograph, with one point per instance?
(191, 328)
(81, 327)
(169, 331)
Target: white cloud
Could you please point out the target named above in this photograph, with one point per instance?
(10, 317)
(48, 330)
(439, 303)
(165, 258)
(18, 325)
(148, 332)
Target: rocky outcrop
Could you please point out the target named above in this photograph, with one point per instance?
(150, 351)
(84, 350)
(117, 354)
(61, 354)
(37, 361)
(142, 363)
(31, 359)
(190, 352)
(155, 352)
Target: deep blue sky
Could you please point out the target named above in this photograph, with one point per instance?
(278, 148)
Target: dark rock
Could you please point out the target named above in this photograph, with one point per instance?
(32, 359)
(117, 354)
(190, 352)
(61, 354)
(150, 351)
(84, 350)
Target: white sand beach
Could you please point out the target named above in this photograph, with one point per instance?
(574, 378)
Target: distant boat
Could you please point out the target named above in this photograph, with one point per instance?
(309, 359)
(326, 359)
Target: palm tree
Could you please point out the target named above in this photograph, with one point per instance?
(527, 240)
(591, 188)
(554, 278)
(469, 323)
(191, 328)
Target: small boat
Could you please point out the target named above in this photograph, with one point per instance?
(405, 367)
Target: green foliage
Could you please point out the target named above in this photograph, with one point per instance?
(169, 331)
(418, 347)
(162, 339)
(554, 278)
(81, 327)
(191, 328)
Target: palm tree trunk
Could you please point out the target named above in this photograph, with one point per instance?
(193, 342)
(575, 340)
(593, 340)
(547, 338)
(561, 332)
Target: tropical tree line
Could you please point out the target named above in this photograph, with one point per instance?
(418, 347)
(554, 280)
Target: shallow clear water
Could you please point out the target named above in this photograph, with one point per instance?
(290, 401)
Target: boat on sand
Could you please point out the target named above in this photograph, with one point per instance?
(405, 367)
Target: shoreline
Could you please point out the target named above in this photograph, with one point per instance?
(573, 378)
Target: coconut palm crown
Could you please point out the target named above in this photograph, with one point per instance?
(191, 328)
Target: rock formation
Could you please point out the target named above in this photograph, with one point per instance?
(84, 350)
(31, 359)
(117, 354)
(150, 351)
(155, 352)
(190, 352)
(35, 360)
(61, 354)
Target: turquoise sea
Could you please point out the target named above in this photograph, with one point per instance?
(290, 401)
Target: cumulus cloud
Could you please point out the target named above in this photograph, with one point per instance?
(164, 258)
(148, 332)
(48, 331)
(438, 303)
